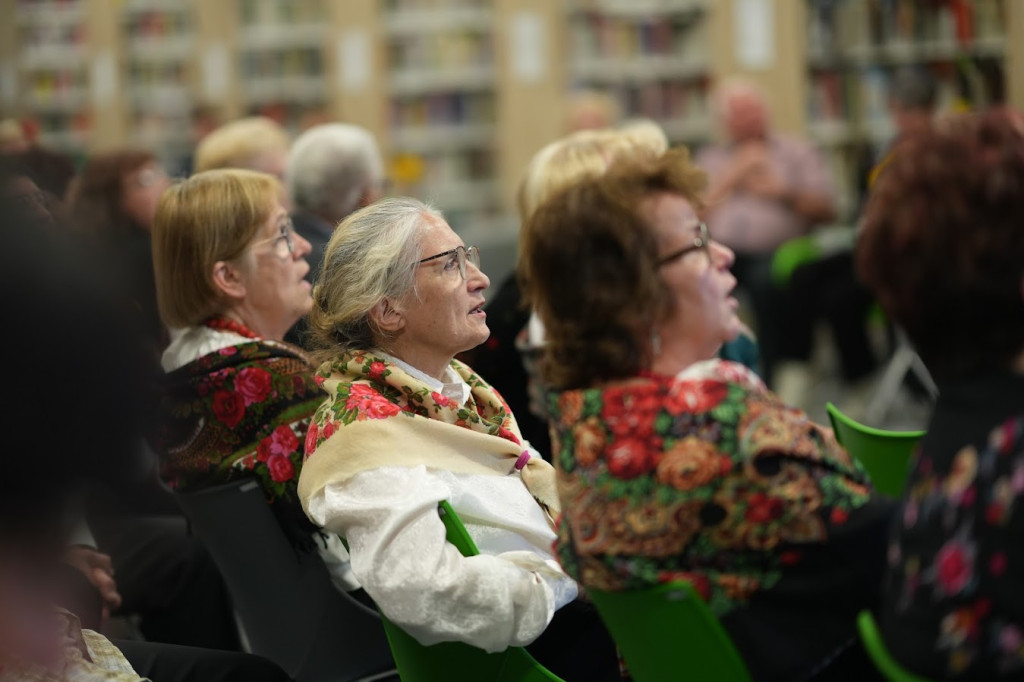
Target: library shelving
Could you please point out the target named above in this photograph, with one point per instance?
(652, 56)
(158, 44)
(440, 93)
(855, 47)
(281, 47)
(51, 70)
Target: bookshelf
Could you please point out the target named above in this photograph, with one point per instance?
(159, 41)
(652, 56)
(50, 70)
(280, 52)
(855, 47)
(440, 105)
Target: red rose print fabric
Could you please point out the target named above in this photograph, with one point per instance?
(243, 410)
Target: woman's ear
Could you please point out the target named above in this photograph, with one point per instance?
(387, 317)
(228, 280)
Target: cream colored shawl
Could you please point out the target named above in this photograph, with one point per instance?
(377, 415)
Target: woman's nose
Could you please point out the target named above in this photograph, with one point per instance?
(475, 277)
(302, 246)
(723, 256)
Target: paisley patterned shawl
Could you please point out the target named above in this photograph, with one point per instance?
(243, 410)
(378, 415)
(706, 477)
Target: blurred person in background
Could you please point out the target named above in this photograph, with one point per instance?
(942, 248)
(113, 203)
(675, 465)
(765, 188)
(255, 143)
(592, 109)
(333, 169)
(21, 195)
(54, 173)
(13, 139)
(913, 101)
(48, 288)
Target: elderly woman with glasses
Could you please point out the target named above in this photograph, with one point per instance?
(237, 400)
(675, 465)
(405, 426)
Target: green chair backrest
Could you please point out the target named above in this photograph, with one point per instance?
(667, 632)
(879, 655)
(885, 454)
(456, 661)
(792, 254)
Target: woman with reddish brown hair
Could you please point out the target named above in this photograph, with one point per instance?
(675, 465)
(942, 246)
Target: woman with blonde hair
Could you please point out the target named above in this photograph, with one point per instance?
(229, 281)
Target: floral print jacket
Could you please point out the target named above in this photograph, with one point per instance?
(954, 606)
(708, 477)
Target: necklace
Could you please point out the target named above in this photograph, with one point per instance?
(226, 325)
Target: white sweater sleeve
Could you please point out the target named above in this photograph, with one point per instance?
(420, 581)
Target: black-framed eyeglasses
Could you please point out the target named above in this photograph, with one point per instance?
(457, 258)
(284, 245)
(701, 241)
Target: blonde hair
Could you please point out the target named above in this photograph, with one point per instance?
(371, 257)
(583, 155)
(240, 143)
(212, 216)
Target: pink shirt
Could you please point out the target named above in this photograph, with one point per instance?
(751, 224)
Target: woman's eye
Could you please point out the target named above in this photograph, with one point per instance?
(451, 262)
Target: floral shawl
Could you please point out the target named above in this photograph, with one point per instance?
(708, 477)
(242, 410)
(378, 415)
(954, 606)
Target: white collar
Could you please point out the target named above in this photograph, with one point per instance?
(188, 344)
(453, 387)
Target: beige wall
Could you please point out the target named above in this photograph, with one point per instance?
(785, 80)
(530, 113)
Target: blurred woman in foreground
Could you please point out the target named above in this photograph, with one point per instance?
(942, 247)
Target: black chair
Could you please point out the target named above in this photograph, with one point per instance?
(288, 608)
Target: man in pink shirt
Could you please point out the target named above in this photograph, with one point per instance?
(764, 189)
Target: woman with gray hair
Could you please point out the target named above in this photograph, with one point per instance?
(406, 426)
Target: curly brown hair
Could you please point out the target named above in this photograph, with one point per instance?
(593, 260)
(942, 244)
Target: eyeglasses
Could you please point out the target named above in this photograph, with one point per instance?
(283, 244)
(701, 241)
(457, 256)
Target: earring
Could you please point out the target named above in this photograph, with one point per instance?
(655, 342)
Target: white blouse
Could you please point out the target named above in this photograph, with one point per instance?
(504, 597)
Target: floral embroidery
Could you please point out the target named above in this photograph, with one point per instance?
(701, 477)
(362, 386)
(950, 551)
(243, 411)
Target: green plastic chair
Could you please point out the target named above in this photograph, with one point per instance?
(457, 661)
(790, 255)
(879, 655)
(667, 632)
(885, 454)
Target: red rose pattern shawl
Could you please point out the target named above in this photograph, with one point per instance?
(242, 410)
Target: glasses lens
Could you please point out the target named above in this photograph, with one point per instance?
(473, 255)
